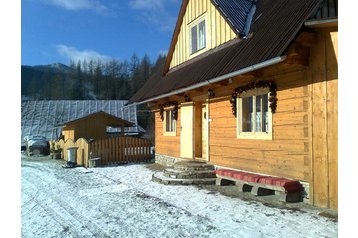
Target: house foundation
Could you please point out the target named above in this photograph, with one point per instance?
(166, 160)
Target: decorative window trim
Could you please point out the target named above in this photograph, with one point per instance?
(254, 88)
(190, 26)
(253, 135)
(253, 85)
(169, 133)
(165, 107)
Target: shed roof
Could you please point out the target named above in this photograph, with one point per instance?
(40, 117)
(274, 26)
(114, 121)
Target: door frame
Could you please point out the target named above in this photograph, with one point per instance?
(207, 130)
(203, 125)
(187, 122)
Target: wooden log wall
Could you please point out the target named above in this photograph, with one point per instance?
(324, 73)
(167, 145)
(287, 154)
(305, 126)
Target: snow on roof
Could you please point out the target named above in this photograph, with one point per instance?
(40, 117)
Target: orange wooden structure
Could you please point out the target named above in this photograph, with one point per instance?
(119, 150)
(93, 126)
(111, 151)
(299, 137)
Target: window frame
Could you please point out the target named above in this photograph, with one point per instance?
(165, 132)
(196, 23)
(253, 135)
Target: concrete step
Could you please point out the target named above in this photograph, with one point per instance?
(192, 165)
(160, 178)
(180, 174)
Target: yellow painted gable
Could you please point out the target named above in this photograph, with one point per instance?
(218, 31)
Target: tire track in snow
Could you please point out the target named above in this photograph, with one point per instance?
(59, 208)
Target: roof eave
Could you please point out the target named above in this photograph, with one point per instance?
(248, 69)
(324, 23)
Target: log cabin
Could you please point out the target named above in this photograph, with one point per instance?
(98, 125)
(40, 117)
(252, 85)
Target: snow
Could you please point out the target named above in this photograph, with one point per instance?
(122, 201)
(42, 117)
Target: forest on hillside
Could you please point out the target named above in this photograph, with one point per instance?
(89, 80)
(92, 80)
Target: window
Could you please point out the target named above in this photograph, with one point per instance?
(113, 130)
(169, 123)
(197, 36)
(254, 115)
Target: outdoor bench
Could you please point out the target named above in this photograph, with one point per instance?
(259, 185)
(92, 162)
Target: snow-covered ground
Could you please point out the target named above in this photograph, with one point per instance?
(123, 202)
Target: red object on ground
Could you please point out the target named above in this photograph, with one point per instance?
(289, 185)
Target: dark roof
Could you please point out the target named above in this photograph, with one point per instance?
(274, 26)
(328, 10)
(235, 12)
(116, 121)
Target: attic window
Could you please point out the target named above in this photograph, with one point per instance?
(197, 35)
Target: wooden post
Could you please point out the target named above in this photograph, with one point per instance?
(116, 148)
(121, 148)
(122, 130)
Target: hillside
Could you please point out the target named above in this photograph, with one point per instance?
(87, 80)
(34, 78)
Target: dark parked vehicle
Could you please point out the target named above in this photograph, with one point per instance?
(37, 145)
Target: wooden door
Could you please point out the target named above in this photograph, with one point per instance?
(187, 130)
(198, 130)
(204, 136)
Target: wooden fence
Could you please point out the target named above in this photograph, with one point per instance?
(119, 150)
(114, 150)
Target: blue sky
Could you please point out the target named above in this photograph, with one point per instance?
(59, 30)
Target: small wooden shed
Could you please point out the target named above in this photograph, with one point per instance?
(93, 126)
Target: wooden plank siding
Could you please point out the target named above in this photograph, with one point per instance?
(113, 150)
(82, 151)
(217, 29)
(167, 145)
(324, 76)
(117, 150)
(287, 155)
(332, 117)
(304, 143)
(305, 126)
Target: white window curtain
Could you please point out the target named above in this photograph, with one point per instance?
(194, 39)
(202, 35)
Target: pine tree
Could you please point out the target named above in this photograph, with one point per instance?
(98, 75)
